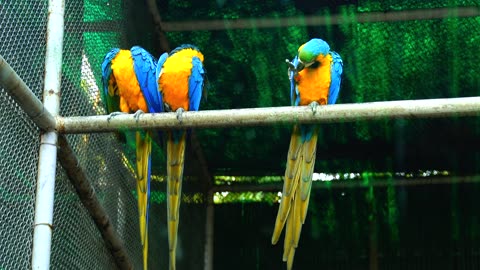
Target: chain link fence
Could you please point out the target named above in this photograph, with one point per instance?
(23, 46)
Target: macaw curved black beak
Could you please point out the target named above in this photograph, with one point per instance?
(300, 66)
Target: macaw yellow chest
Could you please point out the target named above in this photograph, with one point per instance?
(128, 89)
(174, 87)
(314, 82)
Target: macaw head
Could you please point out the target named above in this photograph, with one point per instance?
(310, 52)
(193, 51)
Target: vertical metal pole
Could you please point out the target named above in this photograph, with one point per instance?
(209, 224)
(47, 163)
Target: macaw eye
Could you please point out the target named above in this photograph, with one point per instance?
(315, 64)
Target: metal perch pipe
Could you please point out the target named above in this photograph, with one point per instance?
(426, 108)
(47, 162)
(85, 191)
(24, 97)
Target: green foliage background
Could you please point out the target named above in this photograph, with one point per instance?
(383, 61)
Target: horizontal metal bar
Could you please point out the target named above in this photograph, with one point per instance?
(318, 20)
(87, 196)
(276, 187)
(24, 97)
(426, 108)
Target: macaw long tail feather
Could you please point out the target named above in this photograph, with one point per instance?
(293, 229)
(175, 162)
(143, 151)
(305, 186)
(296, 191)
(291, 181)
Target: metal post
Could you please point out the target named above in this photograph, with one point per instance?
(43, 222)
(209, 224)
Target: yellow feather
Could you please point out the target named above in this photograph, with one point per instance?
(174, 80)
(314, 83)
(175, 164)
(291, 181)
(296, 193)
(143, 151)
(174, 84)
(131, 96)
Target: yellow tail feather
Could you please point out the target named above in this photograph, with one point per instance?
(297, 221)
(293, 230)
(298, 183)
(172, 256)
(143, 151)
(309, 154)
(291, 181)
(290, 259)
(294, 155)
(288, 242)
(175, 162)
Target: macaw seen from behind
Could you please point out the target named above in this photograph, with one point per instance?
(180, 77)
(315, 75)
(129, 86)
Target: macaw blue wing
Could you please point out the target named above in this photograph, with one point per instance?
(195, 84)
(160, 63)
(335, 72)
(294, 96)
(106, 73)
(144, 65)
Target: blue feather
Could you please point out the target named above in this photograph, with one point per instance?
(306, 132)
(184, 46)
(294, 96)
(335, 73)
(106, 73)
(160, 63)
(195, 84)
(145, 66)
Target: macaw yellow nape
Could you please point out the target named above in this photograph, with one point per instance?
(315, 75)
(129, 86)
(180, 78)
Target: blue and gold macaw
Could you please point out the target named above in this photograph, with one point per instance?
(129, 86)
(315, 75)
(180, 77)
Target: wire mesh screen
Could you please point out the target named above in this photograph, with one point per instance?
(92, 28)
(22, 33)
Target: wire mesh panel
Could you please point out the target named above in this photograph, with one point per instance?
(92, 28)
(22, 45)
